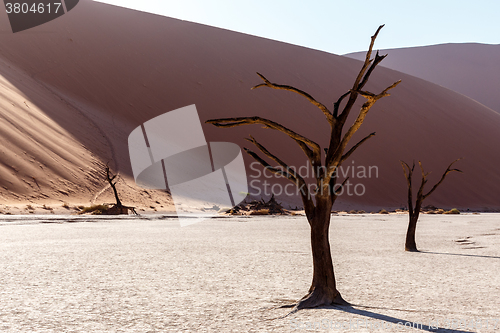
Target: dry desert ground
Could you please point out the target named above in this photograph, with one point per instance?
(231, 274)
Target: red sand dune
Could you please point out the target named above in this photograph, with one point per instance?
(92, 76)
(471, 69)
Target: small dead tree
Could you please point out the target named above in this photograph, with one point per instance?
(414, 211)
(118, 208)
(323, 290)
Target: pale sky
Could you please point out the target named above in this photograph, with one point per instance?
(340, 26)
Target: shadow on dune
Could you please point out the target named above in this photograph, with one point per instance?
(389, 322)
(460, 254)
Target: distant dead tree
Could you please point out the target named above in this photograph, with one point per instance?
(118, 208)
(323, 290)
(414, 211)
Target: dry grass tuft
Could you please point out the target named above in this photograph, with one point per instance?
(452, 211)
(264, 211)
(94, 209)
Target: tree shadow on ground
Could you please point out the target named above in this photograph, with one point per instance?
(460, 254)
(384, 322)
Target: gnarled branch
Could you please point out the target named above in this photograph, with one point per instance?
(266, 152)
(352, 98)
(311, 99)
(336, 105)
(313, 153)
(346, 155)
(420, 195)
(447, 171)
(367, 59)
(371, 99)
(336, 148)
(292, 176)
(334, 192)
(378, 59)
(272, 169)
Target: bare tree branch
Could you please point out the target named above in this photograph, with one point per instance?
(341, 186)
(424, 174)
(314, 154)
(346, 155)
(367, 59)
(272, 169)
(293, 177)
(352, 99)
(274, 158)
(408, 176)
(311, 99)
(378, 59)
(448, 170)
(314, 159)
(420, 196)
(336, 149)
(371, 99)
(336, 105)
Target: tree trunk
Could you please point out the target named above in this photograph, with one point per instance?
(323, 290)
(410, 244)
(118, 202)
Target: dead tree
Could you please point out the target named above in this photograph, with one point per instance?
(414, 211)
(118, 208)
(323, 290)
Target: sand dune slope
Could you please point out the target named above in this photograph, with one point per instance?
(41, 159)
(100, 71)
(52, 151)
